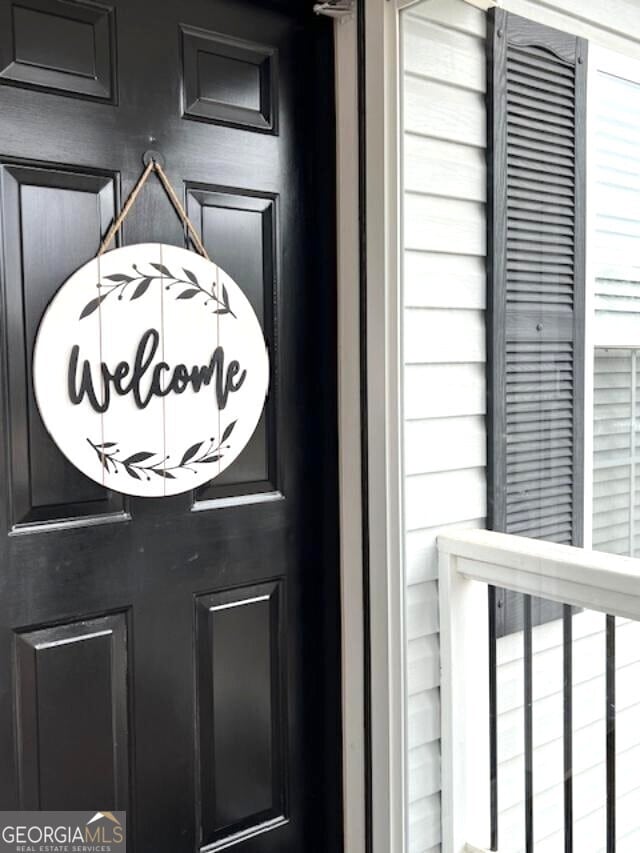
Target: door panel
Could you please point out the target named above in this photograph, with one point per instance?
(73, 730)
(58, 45)
(229, 81)
(241, 646)
(178, 657)
(241, 231)
(51, 221)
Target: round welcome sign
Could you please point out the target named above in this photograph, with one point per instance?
(150, 370)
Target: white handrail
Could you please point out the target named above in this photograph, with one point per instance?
(591, 579)
(468, 561)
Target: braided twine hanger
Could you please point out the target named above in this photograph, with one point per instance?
(153, 166)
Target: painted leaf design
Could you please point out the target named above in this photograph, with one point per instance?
(188, 294)
(121, 277)
(91, 306)
(137, 457)
(162, 270)
(191, 276)
(228, 430)
(191, 452)
(107, 444)
(166, 474)
(222, 311)
(141, 289)
(211, 458)
(132, 472)
(225, 295)
(103, 459)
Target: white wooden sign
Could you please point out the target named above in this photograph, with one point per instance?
(150, 370)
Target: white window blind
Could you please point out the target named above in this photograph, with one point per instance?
(616, 438)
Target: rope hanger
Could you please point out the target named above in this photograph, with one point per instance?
(152, 166)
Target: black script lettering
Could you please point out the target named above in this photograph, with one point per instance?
(142, 362)
(178, 379)
(86, 383)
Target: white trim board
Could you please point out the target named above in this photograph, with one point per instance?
(384, 395)
(349, 425)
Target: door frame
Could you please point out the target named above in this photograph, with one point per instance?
(370, 427)
(368, 44)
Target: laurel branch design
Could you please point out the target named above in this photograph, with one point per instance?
(138, 284)
(141, 465)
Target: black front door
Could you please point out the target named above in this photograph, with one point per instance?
(177, 658)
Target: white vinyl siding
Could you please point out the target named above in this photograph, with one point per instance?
(444, 291)
(444, 286)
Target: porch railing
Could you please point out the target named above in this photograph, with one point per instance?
(471, 562)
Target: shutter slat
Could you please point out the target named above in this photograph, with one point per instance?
(537, 97)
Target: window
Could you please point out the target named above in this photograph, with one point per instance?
(613, 320)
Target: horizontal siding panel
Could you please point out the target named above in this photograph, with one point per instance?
(421, 552)
(423, 664)
(433, 224)
(450, 56)
(424, 824)
(444, 168)
(454, 16)
(444, 498)
(444, 112)
(421, 604)
(445, 444)
(424, 771)
(434, 335)
(444, 390)
(438, 280)
(615, 23)
(423, 717)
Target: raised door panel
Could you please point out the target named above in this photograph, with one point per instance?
(59, 46)
(239, 231)
(240, 698)
(72, 715)
(51, 224)
(229, 81)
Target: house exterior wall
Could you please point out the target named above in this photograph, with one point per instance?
(444, 347)
(443, 182)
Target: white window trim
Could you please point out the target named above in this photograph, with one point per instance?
(601, 60)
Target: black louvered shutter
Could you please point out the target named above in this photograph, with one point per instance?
(536, 224)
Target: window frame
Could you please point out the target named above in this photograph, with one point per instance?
(601, 61)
